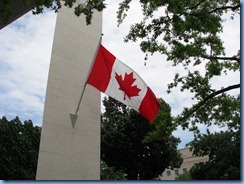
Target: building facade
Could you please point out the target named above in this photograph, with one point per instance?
(69, 147)
(188, 161)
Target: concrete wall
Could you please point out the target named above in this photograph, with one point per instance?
(68, 153)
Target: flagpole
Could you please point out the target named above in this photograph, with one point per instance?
(72, 115)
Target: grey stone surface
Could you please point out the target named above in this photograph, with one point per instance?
(68, 153)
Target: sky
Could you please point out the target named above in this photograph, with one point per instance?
(25, 52)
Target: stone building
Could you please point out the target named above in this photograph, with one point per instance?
(188, 161)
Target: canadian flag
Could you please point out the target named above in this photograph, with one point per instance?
(119, 81)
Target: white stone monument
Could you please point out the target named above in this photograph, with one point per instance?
(71, 152)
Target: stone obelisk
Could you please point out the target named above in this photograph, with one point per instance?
(71, 152)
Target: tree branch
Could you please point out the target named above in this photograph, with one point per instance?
(233, 8)
(223, 58)
(193, 7)
(201, 103)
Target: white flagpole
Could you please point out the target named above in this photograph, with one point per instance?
(74, 116)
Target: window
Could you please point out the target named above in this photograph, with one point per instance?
(184, 170)
(168, 173)
(176, 172)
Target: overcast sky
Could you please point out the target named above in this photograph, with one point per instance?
(25, 51)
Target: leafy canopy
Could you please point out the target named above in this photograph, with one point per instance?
(223, 149)
(188, 33)
(131, 144)
(19, 147)
(110, 173)
(38, 7)
(184, 176)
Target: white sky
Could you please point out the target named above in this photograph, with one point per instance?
(25, 51)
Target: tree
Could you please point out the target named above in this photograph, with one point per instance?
(123, 143)
(110, 173)
(223, 149)
(38, 7)
(187, 32)
(19, 146)
(184, 176)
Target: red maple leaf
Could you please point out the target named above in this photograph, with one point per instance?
(126, 85)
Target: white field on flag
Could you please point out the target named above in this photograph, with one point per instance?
(136, 84)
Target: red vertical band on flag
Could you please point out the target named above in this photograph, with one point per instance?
(100, 78)
(149, 106)
(101, 72)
